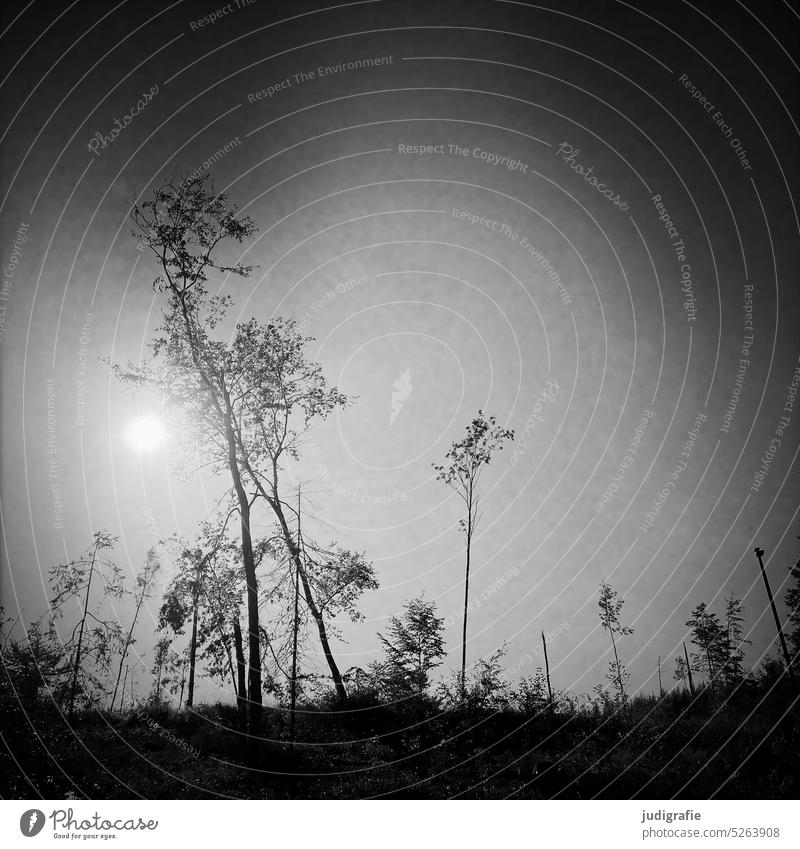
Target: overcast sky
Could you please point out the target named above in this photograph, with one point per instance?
(597, 244)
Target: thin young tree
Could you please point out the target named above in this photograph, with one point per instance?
(161, 653)
(414, 647)
(141, 592)
(733, 644)
(72, 582)
(461, 471)
(610, 604)
(680, 670)
(708, 635)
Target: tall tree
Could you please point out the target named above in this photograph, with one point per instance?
(610, 604)
(141, 591)
(249, 400)
(72, 582)
(414, 648)
(461, 471)
(185, 225)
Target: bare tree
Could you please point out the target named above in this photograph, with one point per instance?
(461, 471)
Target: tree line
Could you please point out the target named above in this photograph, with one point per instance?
(244, 607)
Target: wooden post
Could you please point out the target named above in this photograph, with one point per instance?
(660, 688)
(759, 555)
(293, 708)
(547, 671)
(688, 669)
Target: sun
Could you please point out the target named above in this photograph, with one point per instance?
(145, 433)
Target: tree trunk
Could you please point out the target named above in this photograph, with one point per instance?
(466, 609)
(192, 654)
(122, 694)
(293, 696)
(127, 645)
(80, 635)
(338, 684)
(241, 690)
(619, 671)
(336, 676)
(254, 697)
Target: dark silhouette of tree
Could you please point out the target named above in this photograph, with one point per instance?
(287, 392)
(185, 225)
(709, 636)
(414, 648)
(732, 647)
(461, 471)
(161, 658)
(610, 604)
(681, 672)
(205, 594)
(485, 686)
(93, 636)
(35, 663)
(247, 401)
(532, 695)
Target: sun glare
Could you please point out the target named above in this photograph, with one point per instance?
(145, 434)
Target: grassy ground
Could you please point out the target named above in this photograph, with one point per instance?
(739, 747)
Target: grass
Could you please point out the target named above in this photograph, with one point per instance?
(735, 746)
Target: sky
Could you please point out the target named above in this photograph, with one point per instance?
(577, 219)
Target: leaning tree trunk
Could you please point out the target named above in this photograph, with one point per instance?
(128, 642)
(77, 667)
(316, 613)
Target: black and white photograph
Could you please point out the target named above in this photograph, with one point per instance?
(400, 403)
